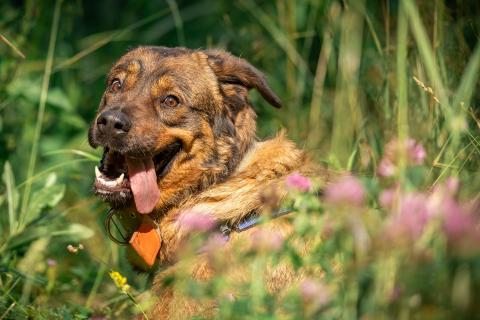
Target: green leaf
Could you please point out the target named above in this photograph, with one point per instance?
(30, 90)
(28, 235)
(415, 177)
(51, 179)
(11, 195)
(75, 231)
(74, 121)
(50, 196)
(295, 259)
(58, 98)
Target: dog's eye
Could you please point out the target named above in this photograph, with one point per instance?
(115, 85)
(170, 101)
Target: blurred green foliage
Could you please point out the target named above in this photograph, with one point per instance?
(352, 75)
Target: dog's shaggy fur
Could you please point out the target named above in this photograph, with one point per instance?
(205, 151)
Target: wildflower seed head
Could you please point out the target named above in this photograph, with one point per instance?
(72, 249)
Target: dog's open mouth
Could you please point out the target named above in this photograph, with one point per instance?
(121, 178)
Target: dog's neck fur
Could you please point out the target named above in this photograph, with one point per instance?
(257, 182)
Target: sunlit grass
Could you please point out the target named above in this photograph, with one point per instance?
(353, 76)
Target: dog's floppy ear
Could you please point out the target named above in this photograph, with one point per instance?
(231, 69)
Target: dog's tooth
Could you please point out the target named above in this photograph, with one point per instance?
(98, 174)
(113, 183)
(105, 182)
(120, 179)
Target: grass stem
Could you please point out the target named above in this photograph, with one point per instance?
(402, 84)
(41, 112)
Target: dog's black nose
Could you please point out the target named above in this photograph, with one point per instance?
(113, 123)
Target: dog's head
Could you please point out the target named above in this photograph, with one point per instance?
(173, 121)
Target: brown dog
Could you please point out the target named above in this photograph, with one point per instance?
(178, 133)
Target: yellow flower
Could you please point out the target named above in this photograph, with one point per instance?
(120, 281)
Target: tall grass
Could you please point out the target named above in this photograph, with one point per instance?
(41, 112)
(353, 76)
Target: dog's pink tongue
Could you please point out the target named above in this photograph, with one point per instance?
(143, 182)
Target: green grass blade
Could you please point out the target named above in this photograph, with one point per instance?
(86, 155)
(278, 35)
(96, 284)
(177, 19)
(426, 53)
(41, 110)
(12, 46)
(12, 196)
(315, 121)
(109, 38)
(469, 79)
(50, 169)
(374, 34)
(347, 114)
(402, 84)
(351, 158)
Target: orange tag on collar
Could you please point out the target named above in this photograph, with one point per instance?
(146, 242)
